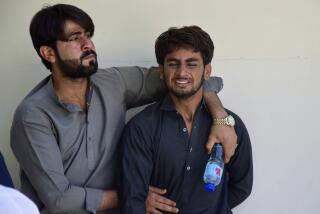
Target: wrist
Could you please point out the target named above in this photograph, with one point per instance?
(109, 200)
(221, 113)
(227, 121)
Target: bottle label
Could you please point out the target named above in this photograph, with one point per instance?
(215, 171)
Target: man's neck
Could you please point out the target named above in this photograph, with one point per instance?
(70, 90)
(187, 107)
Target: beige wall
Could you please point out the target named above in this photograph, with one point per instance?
(268, 53)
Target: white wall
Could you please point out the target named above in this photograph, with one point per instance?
(268, 53)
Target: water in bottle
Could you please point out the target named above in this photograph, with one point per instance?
(214, 169)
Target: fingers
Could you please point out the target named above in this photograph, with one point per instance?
(156, 203)
(157, 207)
(212, 139)
(210, 143)
(154, 198)
(157, 190)
(230, 145)
(154, 211)
(163, 200)
(155, 195)
(227, 136)
(167, 208)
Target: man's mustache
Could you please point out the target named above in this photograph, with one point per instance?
(87, 53)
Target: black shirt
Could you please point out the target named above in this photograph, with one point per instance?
(158, 151)
(5, 178)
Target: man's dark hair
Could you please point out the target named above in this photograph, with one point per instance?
(47, 26)
(189, 37)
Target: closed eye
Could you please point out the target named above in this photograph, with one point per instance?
(173, 64)
(192, 65)
(74, 37)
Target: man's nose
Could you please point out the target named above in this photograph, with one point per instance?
(87, 44)
(182, 70)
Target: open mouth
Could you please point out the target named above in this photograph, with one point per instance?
(182, 81)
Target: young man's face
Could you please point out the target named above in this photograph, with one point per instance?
(76, 57)
(183, 72)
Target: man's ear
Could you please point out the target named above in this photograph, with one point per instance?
(161, 71)
(48, 53)
(207, 71)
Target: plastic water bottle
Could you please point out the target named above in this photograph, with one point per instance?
(214, 169)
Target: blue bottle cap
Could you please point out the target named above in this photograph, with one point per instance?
(209, 187)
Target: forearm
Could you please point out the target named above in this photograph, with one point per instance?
(214, 104)
(219, 133)
(109, 200)
(73, 199)
(142, 85)
(40, 159)
(61, 196)
(210, 89)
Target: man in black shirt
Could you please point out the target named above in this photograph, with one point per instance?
(164, 145)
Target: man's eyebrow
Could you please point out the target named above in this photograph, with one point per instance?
(73, 33)
(173, 59)
(192, 60)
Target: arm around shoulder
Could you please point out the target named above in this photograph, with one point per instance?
(219, 133)
(142, 85)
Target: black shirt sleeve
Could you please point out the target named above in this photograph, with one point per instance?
(136, 168)
(5, 178)
(240, 167)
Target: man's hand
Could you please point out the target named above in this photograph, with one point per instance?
(220, 133)
(156, 203)
(109, 200)
(225, 135)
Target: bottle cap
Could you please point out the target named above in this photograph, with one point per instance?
(209, 187)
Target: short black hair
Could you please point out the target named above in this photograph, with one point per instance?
(192, 37)
(47, 25)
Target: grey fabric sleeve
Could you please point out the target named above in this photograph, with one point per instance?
(144, 86)
(38, 154)
(93, 199)
(214, 84)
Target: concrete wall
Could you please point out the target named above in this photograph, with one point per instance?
(268, 53)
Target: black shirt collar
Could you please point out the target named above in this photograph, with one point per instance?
(168, 105)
